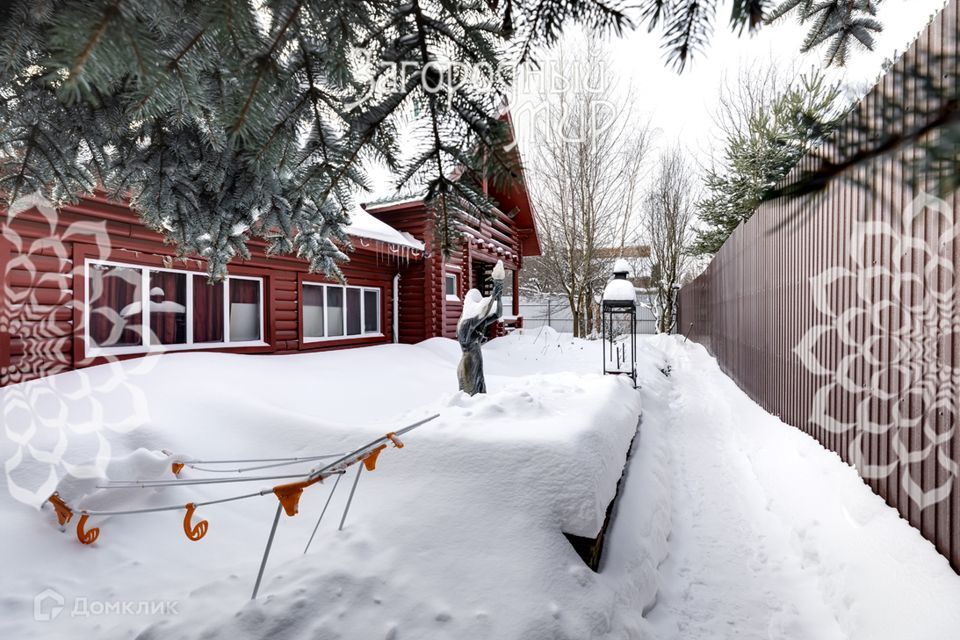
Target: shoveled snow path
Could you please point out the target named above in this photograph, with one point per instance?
(774, 537)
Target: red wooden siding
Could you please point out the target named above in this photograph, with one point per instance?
(41, 332)
(483, 241)
(4, 311)
(417, 308)
(45, 285)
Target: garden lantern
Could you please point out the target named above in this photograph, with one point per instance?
(619, 324)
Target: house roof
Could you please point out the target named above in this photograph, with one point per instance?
(512, 198)
(365, 226)
(630, 251)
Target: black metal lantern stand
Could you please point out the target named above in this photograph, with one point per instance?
(619, 326)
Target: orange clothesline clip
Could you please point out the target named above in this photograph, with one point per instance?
(86, 537)
(63, 511)
(289, 494)
(370, 459)
(176, 467)
(197, 531)
(392, 437)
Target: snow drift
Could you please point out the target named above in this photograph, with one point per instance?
(459, 534)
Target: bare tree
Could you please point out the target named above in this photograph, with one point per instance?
(668, 225)
(588, 156)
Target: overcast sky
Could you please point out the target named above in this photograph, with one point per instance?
(680, 105)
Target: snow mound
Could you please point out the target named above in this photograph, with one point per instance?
(458, 534)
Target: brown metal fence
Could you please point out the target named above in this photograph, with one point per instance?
(838, 312)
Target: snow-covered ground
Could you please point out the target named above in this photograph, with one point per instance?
(772, 536)
(730, 523)
(458, 534)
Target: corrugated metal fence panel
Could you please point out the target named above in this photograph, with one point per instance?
(839, 312)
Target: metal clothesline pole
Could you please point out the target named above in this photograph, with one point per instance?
(325, 505)
(287, 463)
(266, 551)
(173, 507)
(143, 484)
(248, 460)
(356, 479)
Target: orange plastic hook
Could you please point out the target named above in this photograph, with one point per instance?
(63, 511)
(197, 531)
(86, 537)
(177, 467)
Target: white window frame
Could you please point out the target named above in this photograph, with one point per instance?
(326, 316)
(451, 297)
(91, 351)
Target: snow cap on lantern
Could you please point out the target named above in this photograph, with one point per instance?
(620, 291)
(621, 267)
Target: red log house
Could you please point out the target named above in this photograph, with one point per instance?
(88, 283)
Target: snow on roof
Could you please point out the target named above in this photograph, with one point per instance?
(620, 290)
(364, 225)
(395, 199)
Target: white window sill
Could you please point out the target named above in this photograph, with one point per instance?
(451, 298)
(341, 338)
(101, 352)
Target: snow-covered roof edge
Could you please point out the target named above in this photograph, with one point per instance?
(365, 226)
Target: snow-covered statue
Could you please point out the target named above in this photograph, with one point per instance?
(478, 314)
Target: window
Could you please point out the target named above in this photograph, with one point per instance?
(371, 311)
(245, 313)
(207, 310)
(353, 312)
(133, 309)
(168, 307)
(450, 286)
(332, 311)
(114, 306)
(313, 312)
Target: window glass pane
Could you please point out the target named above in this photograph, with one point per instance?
(113, 294)
(451, 282)
(207, 310)
(371, 311)
(168, 307)
(312, 311)
(244, 310)
(353, 311)
(334, 311)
